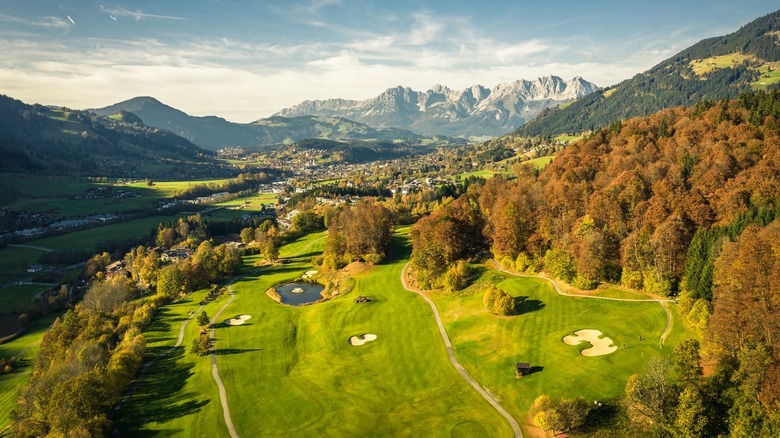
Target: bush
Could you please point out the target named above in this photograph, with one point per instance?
(457, 277)
(374, 258)
(560, 264)
(580, 282)
(499, 302)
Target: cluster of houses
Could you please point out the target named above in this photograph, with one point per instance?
(65, 224)
(107, 192)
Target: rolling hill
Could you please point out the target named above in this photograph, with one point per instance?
(215, 133)
(713, 69)
(40, 139)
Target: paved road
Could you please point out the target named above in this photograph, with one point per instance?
(560, 292)
(215, 369)
(458, 366)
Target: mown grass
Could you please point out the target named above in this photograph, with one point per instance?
(488, 346)
(289, 371)
(704, 66)
(540, 162)
(480, 173)
(177, 393)
(26, 348)
(770, 75)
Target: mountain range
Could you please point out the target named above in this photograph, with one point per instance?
(214, 133)
(473, 112)
(714, 68)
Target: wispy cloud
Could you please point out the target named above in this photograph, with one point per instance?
(314, 7)
(115, 12)
(46, 22)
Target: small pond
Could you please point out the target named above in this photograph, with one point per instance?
(309, 294)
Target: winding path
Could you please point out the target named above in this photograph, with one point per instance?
(154, 360)
(215, 369)
(660, 301)
(39, 248)
(493, 402)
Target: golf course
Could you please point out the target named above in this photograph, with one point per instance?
(298, 370)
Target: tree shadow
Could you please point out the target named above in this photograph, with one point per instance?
(526, 305)
(159, 397)
(227, 351)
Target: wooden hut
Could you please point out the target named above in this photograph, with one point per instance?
(522, 369)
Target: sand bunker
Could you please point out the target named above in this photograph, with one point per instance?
(361, 339)
(238, 320)
(600, 346)
(309, 274)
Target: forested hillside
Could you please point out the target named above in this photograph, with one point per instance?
(624, 205)
(35, 138)
(714, 68)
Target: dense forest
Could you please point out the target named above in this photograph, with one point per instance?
(670, 83)
(680, 202)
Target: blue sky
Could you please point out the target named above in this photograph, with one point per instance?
(245, 60)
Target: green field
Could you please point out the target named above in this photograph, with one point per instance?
(25, 347)
(703, 66)
(540, 162)
(17, 299)
(14, 261)
(54, 194)
(488, 346)
(290, 370)
(567, 138)
(480, 173)
(770, 75)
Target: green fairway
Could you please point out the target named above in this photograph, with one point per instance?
(26, 347)
(488, 346)
(177, 396)
(291, 371)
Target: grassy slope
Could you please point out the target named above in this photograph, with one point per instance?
(27, 346)
(177, 394)
(290, 370)
(488, 346)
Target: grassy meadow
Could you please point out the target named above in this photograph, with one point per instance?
(488, 346)
(26, 348)
(55, 194)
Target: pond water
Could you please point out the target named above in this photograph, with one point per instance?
(309, 294)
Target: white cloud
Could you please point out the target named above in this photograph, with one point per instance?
(138, 14)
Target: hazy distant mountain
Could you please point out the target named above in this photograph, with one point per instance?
(714, 68)
(475, 111)
(214, 132)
